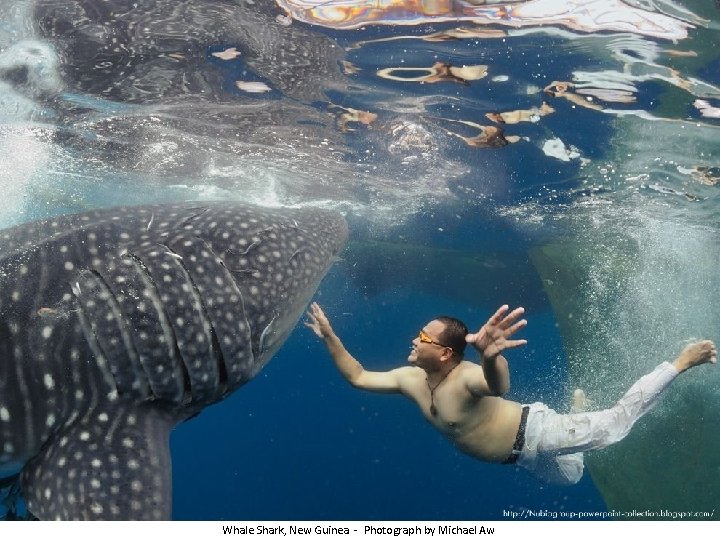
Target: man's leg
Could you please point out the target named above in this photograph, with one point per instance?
(550, 436)
(582, 431)
(563, 469)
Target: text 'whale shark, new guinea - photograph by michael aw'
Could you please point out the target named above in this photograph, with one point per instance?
(193, 187)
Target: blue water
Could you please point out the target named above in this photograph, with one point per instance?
(298, 443)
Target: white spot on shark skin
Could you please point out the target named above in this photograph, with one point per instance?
(47, 332)
(49, 381)
(96, 508)
(227, 54)
(103, 417)
(136, 485)
(4, 414)
(69, 265)
(96, 463)
(253, 87)
(85, 436)
(50, 420)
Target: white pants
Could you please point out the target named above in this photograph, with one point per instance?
(554, 442)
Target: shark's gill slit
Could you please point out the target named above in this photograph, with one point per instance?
(170, 338)
(211, 335)
(92, 342)
(139, 385)
(230, 274)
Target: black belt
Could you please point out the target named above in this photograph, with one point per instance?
(519, 438)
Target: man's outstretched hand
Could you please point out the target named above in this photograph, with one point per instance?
(493, 338)
(696, 354)
(319, 323)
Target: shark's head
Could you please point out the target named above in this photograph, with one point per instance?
(116, 324)
(277, 261)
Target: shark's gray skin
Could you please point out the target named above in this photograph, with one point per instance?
(154, 50)
(117, 324)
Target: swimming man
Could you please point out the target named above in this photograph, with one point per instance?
(463, 400)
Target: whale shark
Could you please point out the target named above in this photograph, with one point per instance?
(117, 324)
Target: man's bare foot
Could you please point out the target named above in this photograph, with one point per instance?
(695, 354)
(579, 402)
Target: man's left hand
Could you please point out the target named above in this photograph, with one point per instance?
(493, 338)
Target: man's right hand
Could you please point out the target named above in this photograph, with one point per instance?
(319, 323)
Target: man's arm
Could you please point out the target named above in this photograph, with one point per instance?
(351, 369)
(495, 379)
(490, 341)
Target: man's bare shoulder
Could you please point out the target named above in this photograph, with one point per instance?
(409, 373)
(473, 378)
(470, 368)
(409, 376)
(409, 379)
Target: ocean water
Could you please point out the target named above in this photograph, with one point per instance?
(599, 216)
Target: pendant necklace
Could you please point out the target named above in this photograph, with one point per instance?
(433, 408)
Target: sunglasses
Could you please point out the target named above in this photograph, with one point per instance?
(424, 338)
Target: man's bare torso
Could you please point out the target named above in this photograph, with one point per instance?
(481, 426)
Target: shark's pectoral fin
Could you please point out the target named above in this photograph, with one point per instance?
(113, 463)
